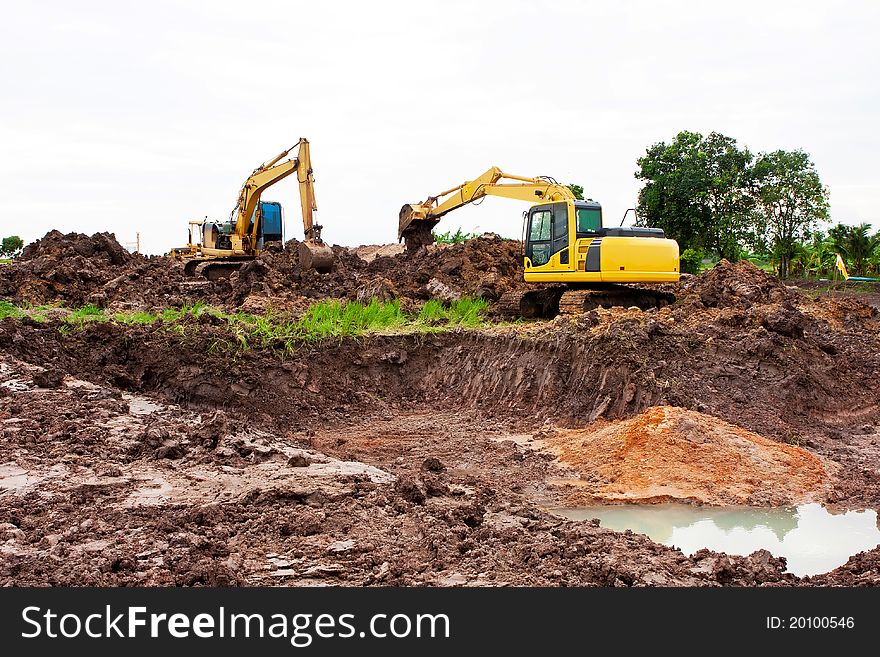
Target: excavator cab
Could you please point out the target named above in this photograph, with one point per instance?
(546, 231)
(547, 235)
(271, 222)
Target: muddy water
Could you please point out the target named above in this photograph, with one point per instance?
(812, 539)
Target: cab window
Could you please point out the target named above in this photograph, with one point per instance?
(538, 246)
(589, 220)
(540, 229)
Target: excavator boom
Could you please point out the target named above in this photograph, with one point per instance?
(417, 220)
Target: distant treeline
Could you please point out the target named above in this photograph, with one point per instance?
(721, 201)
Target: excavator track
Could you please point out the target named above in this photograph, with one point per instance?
(509, 305)
(531, 304)
(577, 301)
(213, 269)
(548, 302)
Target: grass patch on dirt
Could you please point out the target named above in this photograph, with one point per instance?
(334, 318)
(323, 320)
(87, 313)
(8, 309)
(464, 312)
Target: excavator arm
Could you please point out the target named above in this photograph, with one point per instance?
(313, 252)
(418, 219)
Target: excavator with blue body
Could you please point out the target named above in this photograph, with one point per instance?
(216, 249)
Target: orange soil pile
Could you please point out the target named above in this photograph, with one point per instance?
(669, 453)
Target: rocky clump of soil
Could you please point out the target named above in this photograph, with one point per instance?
(76, 269)
(737, 285)
(668, 453)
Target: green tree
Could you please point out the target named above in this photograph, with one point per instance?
(697, 189)
(822, 254)
(11, 246)
(791, 200)
(577, 190)
(861, 246)
(837, 237)
(857, 246)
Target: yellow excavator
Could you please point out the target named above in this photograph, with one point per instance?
(565, 244)
(216, 249)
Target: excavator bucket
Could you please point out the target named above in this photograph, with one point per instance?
(313, 255)
(415, 227)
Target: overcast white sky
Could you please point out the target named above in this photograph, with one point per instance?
(138, 116)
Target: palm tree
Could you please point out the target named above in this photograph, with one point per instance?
(860, 246)
(855, 244)
(838, 234)
(873, 264)
(822, 255)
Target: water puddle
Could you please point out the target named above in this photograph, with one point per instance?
(138, 405)
(812, 539)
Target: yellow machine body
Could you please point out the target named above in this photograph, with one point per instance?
(564, 238)
(597, 258)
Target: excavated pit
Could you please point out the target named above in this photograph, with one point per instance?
(134, 454)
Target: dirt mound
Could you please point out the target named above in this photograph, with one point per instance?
(76, 269)
(739, 285)
(66, 268)
(484, 267)
(57, 246)
(669, 453)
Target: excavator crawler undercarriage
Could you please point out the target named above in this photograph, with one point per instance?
(553, 300)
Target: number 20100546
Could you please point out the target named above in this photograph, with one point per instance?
(810, 623)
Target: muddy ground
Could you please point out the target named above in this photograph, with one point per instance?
(133, 454)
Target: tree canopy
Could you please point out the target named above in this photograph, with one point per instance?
(717, 198)
(791, 199)
(698, 190)
(11, 246)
